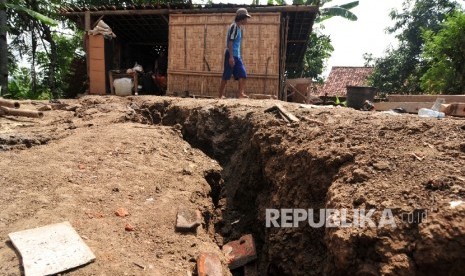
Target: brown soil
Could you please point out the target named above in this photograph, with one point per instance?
(231, 160)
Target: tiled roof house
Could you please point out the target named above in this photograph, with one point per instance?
(342, 76)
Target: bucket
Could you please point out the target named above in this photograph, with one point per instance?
(357, 95)
(123, 86)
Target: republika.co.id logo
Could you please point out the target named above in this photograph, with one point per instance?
(337, 218)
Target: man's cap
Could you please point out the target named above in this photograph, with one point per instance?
(242, 11)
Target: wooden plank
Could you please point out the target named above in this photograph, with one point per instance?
(97, 82)
(96, 53)
(87, 21)
(410, 107)
(218, 74)
(261, 96)
(96, 41)
(456, 109)
(426, 98)
(289, 8)
(283, 112)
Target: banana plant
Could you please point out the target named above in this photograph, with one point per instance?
(3, 43)
(313, 63)
(45, 19)
(342, 11)
(329, 12)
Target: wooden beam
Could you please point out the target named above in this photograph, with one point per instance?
(87, 21)
(290, 8)
(261, 96)
(118, 12)
(426, 98)
(165, 18)
(409, 107)
(283, 112)
(218, 74)
(456, 109)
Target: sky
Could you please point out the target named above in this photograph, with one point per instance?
(351, 39)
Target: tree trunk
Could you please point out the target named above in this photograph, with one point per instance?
(53, 61)
(33, 6)
(3, 51)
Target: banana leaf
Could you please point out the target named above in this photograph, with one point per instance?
(45, 19)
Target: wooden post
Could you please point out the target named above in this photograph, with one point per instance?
(286, 30)
(87, 21)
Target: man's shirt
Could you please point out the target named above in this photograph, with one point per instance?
(234, 35)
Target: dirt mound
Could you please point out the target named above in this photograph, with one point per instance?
(233, 161)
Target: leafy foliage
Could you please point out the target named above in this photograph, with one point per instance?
(19, 86)
(33, 14)
(444, 52)
(401, 69)
(319, 48)
(318, 51)
(342, 11)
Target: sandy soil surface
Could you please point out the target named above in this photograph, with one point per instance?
(231, 160)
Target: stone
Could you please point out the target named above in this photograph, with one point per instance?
(121, 212)
(381, 165)
(240, 252)
(188, 220)
(208, 264)
(129, 227)
(359, 175)
(45, 108)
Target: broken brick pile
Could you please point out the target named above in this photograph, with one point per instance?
(239, 253)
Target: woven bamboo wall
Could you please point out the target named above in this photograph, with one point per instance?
(196, 52)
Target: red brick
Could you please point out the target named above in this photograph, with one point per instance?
(208, 264)
(129, 227)
(121, 212)
(240, 252)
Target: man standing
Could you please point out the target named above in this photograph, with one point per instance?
(232, 58)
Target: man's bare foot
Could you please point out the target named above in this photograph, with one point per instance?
(243, 96)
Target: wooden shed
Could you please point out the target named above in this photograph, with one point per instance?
(274, 40)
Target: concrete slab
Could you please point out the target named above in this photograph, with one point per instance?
(51, 249)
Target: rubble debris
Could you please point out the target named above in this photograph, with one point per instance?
(240, 252)
(45, 107)
(139, 265)
(121, 212)
(129, 227)
(188, 220)
(368, 106)
(51, 249)
(454, 204)
(419, 158)
(208, 264)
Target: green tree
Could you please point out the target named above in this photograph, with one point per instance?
(318, 51)
(320, 48)
(402, 67)
(3, 49)
(444, 52)
(15, 10)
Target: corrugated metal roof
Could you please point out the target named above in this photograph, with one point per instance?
(342, 76)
